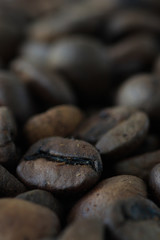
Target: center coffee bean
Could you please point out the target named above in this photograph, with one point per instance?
(63, 166)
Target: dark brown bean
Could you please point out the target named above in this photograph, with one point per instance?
(84, 61)
(63, 166)
(79, 17)
(43, 198)
(14, 95)
(139, 90)
(132, 55)
(139, 166)
(130, 21)
(125, 137)
(9, 185)
(90, 229)
(58, 121)
(98, 202)
(47, 88)
(35, 52)
(8, 132)
(20, 219)
(155, 181)
(92, 129)
(139, 214)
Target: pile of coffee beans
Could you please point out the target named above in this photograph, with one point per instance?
(80, 120)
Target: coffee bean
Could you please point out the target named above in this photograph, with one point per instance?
(129, 21)
(102, 57)
(79, 17)
(58, 121)
(139, 90)
(139, 166)
(43, 198)
(9, 185)
(90, 229)
(14, 95)
(49, 89)
(154, 181)
(84, 62)
(35, 52)
(97, 202)
(63, 166)
(8, 132)
(139, 214)
(132, 55)
(125, 137)
(150, 144)
(20, 219)
(92, 129)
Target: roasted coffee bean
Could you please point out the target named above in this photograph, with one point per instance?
(35, 53)
(58, 121)
(139, 166)
(63, 166)
(8, 132)
(49, 89)
(92, 129)
(43, 198)
(9, 185)
(79, 17)
(139, 214)
(98, 202)
(20, 219)
(150, 144)
(90, 229)
(141, 91)
(14, 95)
(84, 62)
(131, 21)
(132, 55)
(155, 181)
(125, 137)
